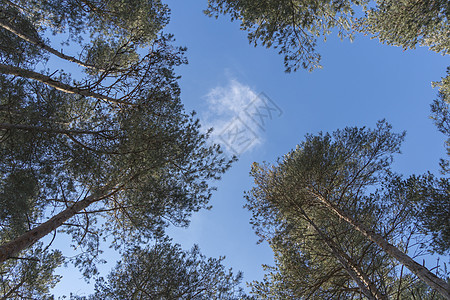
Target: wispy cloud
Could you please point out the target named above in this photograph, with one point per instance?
(238, 115)
(231, 99)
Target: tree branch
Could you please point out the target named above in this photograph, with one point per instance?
(417, 269)
(8, 126)
(66, 88)
(42, 45)
(30, 237)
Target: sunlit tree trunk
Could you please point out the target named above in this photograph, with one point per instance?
(420, 271)
(31, 128)
(42, 45)
(24, 73)
(368, 288)
(27, 239)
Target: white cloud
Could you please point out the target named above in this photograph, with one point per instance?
(231, 99)
(233, 128)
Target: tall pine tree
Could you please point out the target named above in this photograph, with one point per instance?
(105, 150)
(337, 190)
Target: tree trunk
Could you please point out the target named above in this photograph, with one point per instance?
(42, 45)
(27, 239)
(366, 286)
(417, 269)
(8, 126)
(24, 73)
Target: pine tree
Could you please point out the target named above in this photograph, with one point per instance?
(325, 183)
(293, 27)
(410, 23)
(165, 271)
(105, 150)
(290, 26)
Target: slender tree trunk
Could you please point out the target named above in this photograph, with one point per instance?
(42, 45)
(367, 287)
(6, 69)
(8, 126)
(27, 239)
(417, 269)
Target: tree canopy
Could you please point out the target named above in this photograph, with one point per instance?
(290, 26)
(106, 152)
(337, 190)
(410, 23)
(164, 271)
(293, 27)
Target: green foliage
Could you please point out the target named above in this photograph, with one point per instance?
(408, 23)
(305, 268)
(31, 275)
(291, 26)
(13, 49)
(436, 214)
(17, 202)
(441, 115)
(139, 21)
(429, 202)
(118, 127)
(165, 271)
(350, 169)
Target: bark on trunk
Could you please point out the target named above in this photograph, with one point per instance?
(417, 269)
(6, 69)
(366, 286)
(27, 239)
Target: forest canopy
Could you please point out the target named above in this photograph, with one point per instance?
(96, 147)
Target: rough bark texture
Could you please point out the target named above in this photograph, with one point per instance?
(417, 269)
(27, 239)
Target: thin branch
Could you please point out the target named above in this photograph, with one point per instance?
(27, 239)
(15, 5)
(24, 258)
(14, 289)
(66, 88)
(8, 126)
(51, 242)
(42, 45)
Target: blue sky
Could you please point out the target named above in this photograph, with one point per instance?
(360, 83)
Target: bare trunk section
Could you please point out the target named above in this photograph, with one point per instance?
(366, 286)
(417, 269)
(6, 69)
(27, 239)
